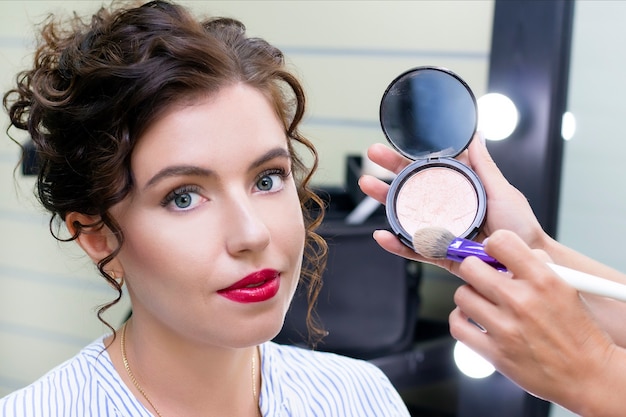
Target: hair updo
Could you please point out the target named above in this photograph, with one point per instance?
(96, 85)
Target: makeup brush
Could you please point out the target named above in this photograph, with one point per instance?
(439, 243)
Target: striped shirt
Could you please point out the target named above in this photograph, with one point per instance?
(295, 382)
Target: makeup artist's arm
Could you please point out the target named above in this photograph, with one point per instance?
(550, 345)
(608, 312)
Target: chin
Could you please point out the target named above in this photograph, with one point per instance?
(256, 332)
(271, 330)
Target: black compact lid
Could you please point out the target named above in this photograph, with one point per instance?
(428, 112)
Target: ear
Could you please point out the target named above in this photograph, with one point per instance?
(94, 238)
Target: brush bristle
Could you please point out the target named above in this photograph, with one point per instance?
(432, 242)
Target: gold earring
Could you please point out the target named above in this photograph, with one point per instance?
(114, 276)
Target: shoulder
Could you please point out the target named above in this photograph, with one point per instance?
(337, 384)
(86, 384)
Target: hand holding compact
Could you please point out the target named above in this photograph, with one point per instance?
(507, 207)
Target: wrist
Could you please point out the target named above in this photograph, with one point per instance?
(542, 241)
(601, 394)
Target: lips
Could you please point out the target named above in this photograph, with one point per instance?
(256, 287)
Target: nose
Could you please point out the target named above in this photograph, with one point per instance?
(247, 230)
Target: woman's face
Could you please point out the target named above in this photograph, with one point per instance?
(214, 232)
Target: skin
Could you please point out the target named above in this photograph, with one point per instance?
(540, 341)
(238, 212)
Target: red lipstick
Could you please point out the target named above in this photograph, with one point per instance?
(256, 287)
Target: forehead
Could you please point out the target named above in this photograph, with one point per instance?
(231, 126)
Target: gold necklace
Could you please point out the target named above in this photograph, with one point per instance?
(136, 384)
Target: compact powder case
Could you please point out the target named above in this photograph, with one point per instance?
(429, 115)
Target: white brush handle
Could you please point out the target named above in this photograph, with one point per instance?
(362, 211)
(590, 284)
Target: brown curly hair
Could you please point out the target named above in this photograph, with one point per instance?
(97, 84)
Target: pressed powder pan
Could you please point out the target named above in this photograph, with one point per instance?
(429, 115)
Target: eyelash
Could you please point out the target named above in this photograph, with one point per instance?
(282, 173)
(179, 191)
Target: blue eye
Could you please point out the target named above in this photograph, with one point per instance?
(271, 181)
(265, 183)
(183, 199)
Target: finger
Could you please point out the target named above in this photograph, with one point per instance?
(392, 244)
(374, 187)
(463, 330)
(485, 280)
(526, 268)
(387, 158)
(504, 244)
(541, 255)
(480, 311)
(516, 255)
(483, 164)
(461, 325)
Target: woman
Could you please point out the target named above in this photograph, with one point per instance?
(555, 343)
(166, 146)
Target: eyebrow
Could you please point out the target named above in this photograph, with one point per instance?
(192, 170)
(269, 155)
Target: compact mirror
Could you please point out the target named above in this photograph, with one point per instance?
(429, 115)
(428, 112)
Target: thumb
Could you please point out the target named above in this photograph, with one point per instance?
(519, 259)
(485, 167)
(508, 248)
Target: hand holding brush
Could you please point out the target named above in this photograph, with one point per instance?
(439, 243)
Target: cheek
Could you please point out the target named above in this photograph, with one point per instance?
(150, 246)
(292, 225)
(141, 252)
(292, 239)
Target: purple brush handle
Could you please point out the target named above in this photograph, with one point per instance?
(460, 249)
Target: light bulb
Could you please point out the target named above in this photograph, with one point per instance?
(568, 125)
(471, 363)
(497, 116)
